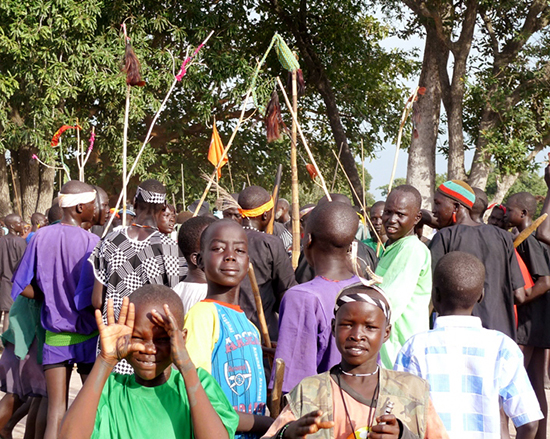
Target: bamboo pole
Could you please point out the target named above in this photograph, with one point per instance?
(294, 180)
(182, 188)
(125, 155)
(336, 168)
(277, 394)
(358, 199)
(527, 232)
(259, 306)
(224, 154)
(404, 116)
(304, 141)
(363, 178)
(17, 200)
(148, 137)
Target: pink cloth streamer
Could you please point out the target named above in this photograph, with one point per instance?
(35, 157)
(92, 139)
(187, 60)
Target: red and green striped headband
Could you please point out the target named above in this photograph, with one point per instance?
(458, 191)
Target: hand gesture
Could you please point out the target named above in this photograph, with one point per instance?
(387, 428)
(116, 338)
(306, 425)
(180, 356)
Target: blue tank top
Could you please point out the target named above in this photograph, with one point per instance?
(237, 363)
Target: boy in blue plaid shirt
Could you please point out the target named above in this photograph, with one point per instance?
(472, 371)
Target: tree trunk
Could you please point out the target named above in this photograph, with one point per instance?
(5, 204)
(480, 164)
(504, 183)
(29, 178)
(421, 163)
(45, 196)
(455, 164)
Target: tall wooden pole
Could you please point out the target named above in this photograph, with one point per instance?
(294, 180)
(182, 188)
(125, 155)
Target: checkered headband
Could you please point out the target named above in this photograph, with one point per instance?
(344, 297)
(151, 197)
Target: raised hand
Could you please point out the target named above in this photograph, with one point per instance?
(116, 337)
(180, 356)
(306, 425)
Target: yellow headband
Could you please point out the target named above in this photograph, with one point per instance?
(257, 211)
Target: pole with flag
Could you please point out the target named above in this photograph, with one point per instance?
(215, 152)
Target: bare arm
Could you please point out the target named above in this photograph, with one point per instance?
(254, 423)
(527, 431)
(80, 418)
(542, 285)
(200, 406)
(519, 296)
(98, 294)
(28, 292)
(543, 231)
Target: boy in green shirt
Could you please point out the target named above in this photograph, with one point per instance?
(405, 268)
(156, 401)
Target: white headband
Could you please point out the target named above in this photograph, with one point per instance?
(70, 200)
(151, 197)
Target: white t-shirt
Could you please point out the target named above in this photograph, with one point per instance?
(190, 293)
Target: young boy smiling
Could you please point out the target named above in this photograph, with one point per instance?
(157, 401)
(221, 338)
(405, 268)
(350, 400)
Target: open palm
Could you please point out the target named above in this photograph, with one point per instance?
(116, 337)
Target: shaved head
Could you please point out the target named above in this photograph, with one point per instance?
(336, 198)
(150, 297)
(75, 187)
(333, 225)
(252, 197)
(525, 201)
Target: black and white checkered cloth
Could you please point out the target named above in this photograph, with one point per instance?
(123, 265)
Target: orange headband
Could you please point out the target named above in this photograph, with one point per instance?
(257, 211)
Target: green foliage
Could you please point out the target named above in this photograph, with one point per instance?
(60, 60)
(527, 182)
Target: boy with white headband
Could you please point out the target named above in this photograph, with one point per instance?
(133, 256)
(52, 267)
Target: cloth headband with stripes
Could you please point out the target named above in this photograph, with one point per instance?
(257, 211)
(345, 297)
(151, 197)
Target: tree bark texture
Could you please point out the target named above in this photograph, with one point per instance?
(45, 195)
(421, 163)
(29, 177)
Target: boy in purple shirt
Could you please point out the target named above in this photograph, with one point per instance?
(305, 340)
(52, 266)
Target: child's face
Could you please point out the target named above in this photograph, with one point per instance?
(166, 221)
(152, 366)
(360, 329)
(376, 219)
(225, 255)
(400, 215)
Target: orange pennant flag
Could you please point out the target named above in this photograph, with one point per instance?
(216, 150)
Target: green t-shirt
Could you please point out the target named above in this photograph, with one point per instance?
(129, 410)
(406, 267)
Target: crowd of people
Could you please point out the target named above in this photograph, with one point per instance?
(384, 332)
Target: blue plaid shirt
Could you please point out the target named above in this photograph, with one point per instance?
(471, 371)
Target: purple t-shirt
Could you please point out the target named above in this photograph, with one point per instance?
(305, 340)
(56, 258)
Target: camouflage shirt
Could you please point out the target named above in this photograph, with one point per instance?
(409, 393)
